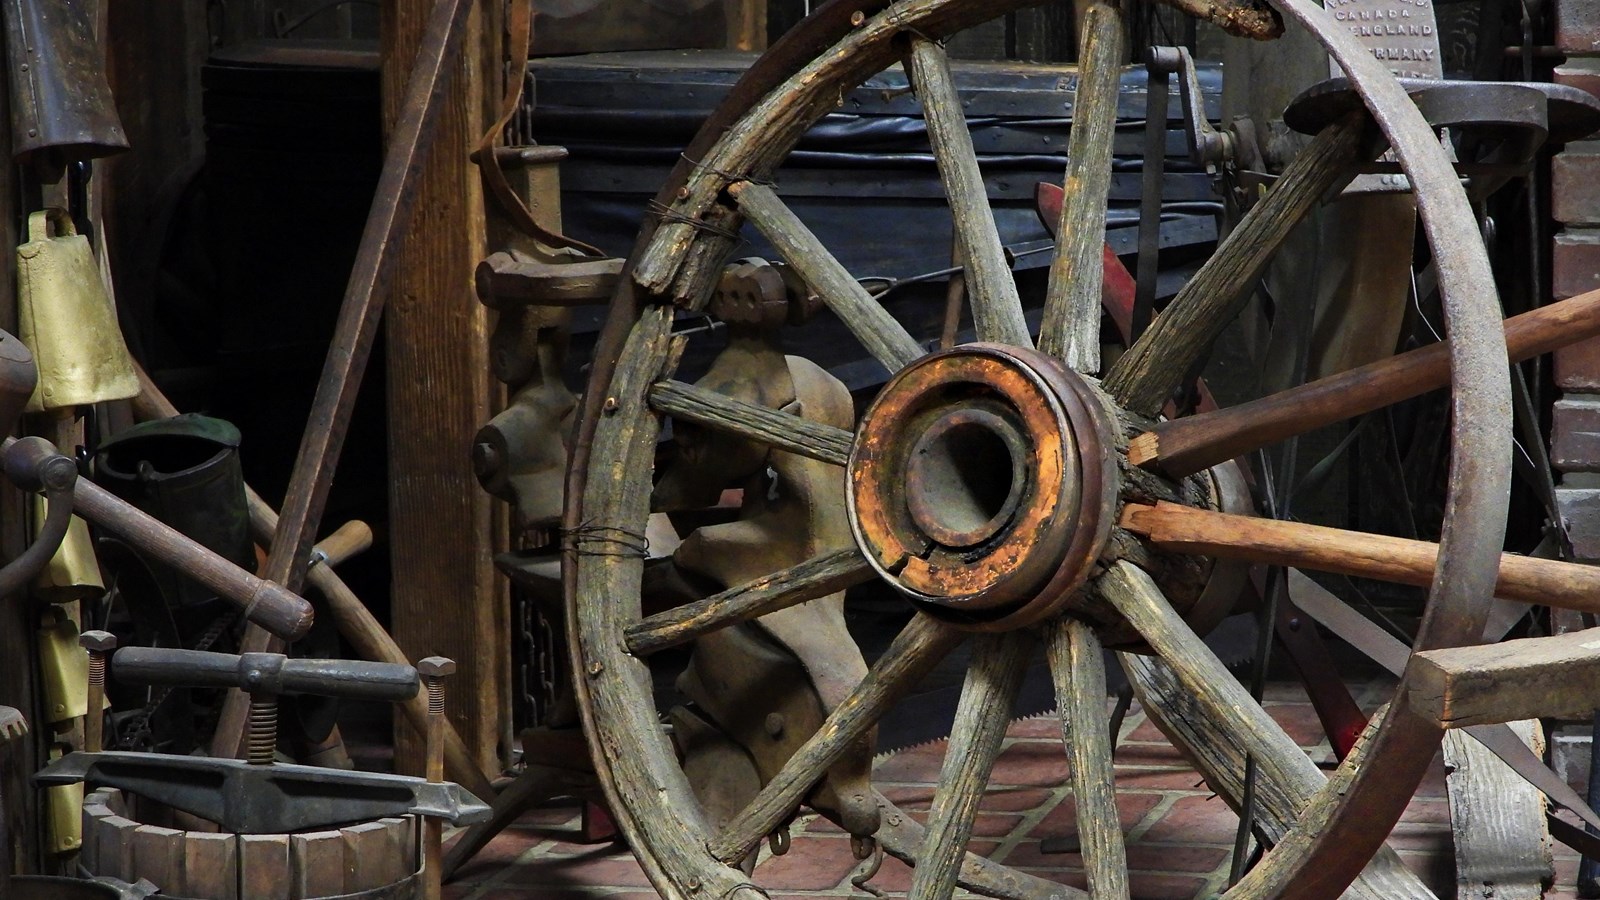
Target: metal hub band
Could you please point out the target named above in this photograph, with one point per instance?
(982, 484)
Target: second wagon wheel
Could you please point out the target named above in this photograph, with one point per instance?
(1061, 548)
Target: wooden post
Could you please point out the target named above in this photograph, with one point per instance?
(443, 528)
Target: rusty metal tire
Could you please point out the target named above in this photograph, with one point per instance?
(675, 264)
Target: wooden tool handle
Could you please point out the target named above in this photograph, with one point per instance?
(354, 536)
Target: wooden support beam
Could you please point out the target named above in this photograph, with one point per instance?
(1501, 840)
(1529, 678)
(443, 528)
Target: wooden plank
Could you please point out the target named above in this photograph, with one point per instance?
(211, 865)
(263, 866)
(1502, 843)
(316, 861)
(158, 856)
(1528, 678)
(400, 835)
(113, 837)
(366, 862)
(443, 528)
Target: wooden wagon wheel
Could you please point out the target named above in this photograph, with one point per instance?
(1053, 555)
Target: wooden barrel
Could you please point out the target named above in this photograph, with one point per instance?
(128, 837)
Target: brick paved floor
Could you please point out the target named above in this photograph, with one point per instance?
(1179, 834)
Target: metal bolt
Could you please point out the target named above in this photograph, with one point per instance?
(857, 17)
(774, 725)
(99, 644)
(261, 740)
(433, 671)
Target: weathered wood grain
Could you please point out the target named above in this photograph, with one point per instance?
(316, 861)
(1184, 446)
(817, 577)
(916, 650)
(883, 337)
(1070, 330)
(211, 865)
(1498, 819)
(1546, 677)
(263, 866)
(785, 431)
(1077, 664)
(1183, 529)
(158, 856)
(996, 307)
(503, 281)
(1153, 368)
(982, 714)
(1196, 701)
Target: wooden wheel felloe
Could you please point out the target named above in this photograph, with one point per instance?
(1026, 556)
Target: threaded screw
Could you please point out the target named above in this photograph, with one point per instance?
(99, 644)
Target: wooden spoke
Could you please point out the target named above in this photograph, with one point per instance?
(816, 577)
(1078, 667)
(1196, 701)
(1163, 357)
(918, 648)
(882, 336)
(902, 836)
(998, 661)
(996, 308)
(1070, 330)
(1171, 526)
(1184, 446)
(785, 431)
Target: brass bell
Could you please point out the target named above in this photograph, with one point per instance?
(67, 320)
(73, 574)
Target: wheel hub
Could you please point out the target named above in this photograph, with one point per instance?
(982, 484)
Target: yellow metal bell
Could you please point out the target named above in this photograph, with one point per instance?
(73, 574)
(67, 320)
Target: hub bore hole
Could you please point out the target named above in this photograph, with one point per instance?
(965, 477)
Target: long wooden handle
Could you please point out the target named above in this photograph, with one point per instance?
(1185, 446)
(349, 539)
(1275, 542)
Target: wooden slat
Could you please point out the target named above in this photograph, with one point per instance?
(316, 861)
(1170, 526)
(996, 307)
(785, 431)
(365, 863)
(113, 837)
(158, 856)
(884, 338)
(916, 650)
(1078, 667)
(1071, 327)
(1196, 701)
(811, 579)
(211, 865)
(263, 866)
(1498, 819)
(1143, 378)
(443, 529)
(1545, 677)
(1185, 446)
(982, 714)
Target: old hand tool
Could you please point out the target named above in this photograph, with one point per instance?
(34, 465)
(434, 670)
(259, 796)
(266, 603)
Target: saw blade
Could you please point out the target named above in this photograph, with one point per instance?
(926, 716)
